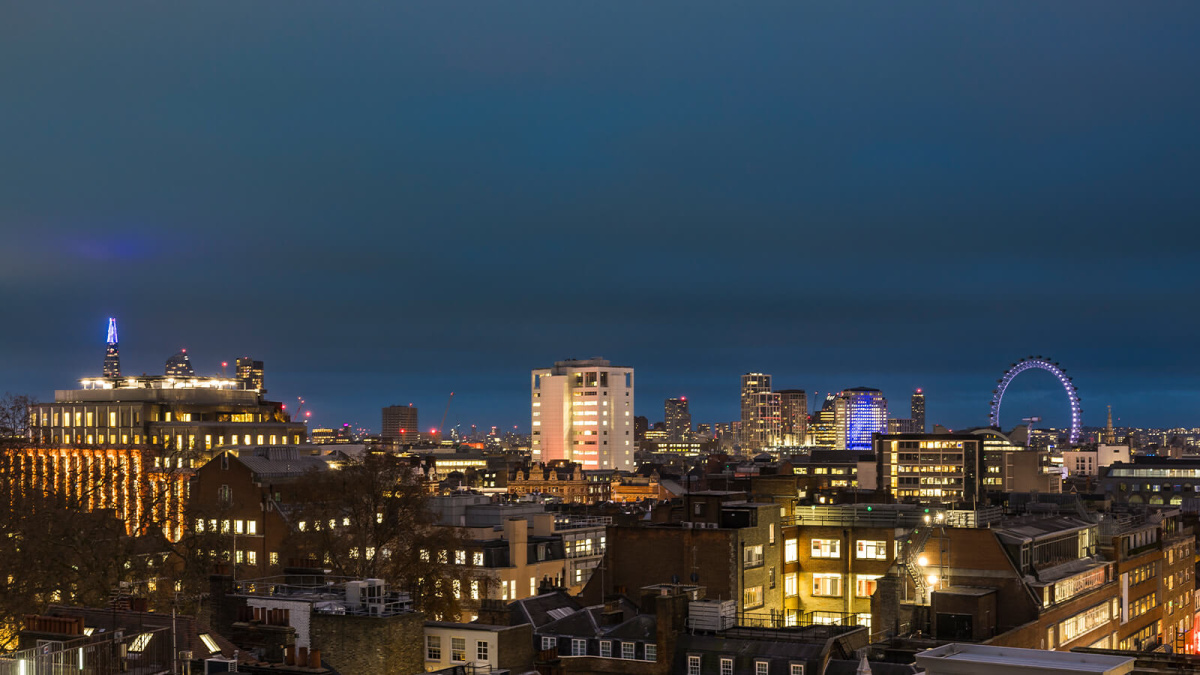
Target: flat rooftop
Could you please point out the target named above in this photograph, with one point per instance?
(968, 659)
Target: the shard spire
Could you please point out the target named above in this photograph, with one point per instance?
(112, 356)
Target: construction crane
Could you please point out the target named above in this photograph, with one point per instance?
(442, 429)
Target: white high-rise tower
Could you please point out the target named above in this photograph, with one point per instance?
(582, 411)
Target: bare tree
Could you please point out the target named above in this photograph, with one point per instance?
(14, 419)
(371, 519)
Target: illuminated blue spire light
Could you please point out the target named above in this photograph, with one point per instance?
(112, 331)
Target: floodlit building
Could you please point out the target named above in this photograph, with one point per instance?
(859, 413)
(180, 411)
(582, 411)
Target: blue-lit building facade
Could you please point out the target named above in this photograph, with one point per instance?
(859, 414)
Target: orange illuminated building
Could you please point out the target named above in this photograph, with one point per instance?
(100, 478)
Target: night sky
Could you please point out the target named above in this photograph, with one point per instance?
(388, 201)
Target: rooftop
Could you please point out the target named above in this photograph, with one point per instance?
(970, 658)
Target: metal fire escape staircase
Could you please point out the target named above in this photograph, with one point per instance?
(914, 544)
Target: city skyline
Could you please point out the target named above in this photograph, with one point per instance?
(1032, 395)
(433, 204)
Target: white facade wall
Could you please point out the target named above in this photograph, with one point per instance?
(298, 616)
(582, 418)
(443, 639)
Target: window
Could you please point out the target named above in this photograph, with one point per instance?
(650, 652)
(872, 550)
(752, 597)
(693, 667)
(627, 650)
(578, 647)
(789, 584)
(864, 585)
(458, 649)
(251, 527)
(433, 648)
(761, 667)
(827, 584)
(826, 548)
(791, 550)
(752, 556)
(252, 557)
(549, 642)
(477, 558)
(481, 651)
(474, 589)
(606, 648)
(225, 495)
(726, 666)
(796, 669)
(274, 558)
(460, 557)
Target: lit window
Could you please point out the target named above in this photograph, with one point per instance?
(827, 584)
(209, 643)
(139, 643)
(791, 550)
(826, 548)
(458, 649)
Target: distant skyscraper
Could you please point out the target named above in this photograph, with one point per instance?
(640, 425)
(822, 429)
(793, 409)
(677, 418)
(583, 411)
(918, 410)
(250, 372)
(760, 412)
(400, 424)
(112, 355)
(180, 365)
(859, 412)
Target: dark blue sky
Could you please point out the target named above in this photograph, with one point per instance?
(387, 201)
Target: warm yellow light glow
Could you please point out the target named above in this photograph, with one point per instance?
(922, 561)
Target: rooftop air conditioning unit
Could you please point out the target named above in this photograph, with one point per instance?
(220, 666)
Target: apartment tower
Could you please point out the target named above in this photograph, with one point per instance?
(582, 411)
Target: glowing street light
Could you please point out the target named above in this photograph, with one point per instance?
(922, 561)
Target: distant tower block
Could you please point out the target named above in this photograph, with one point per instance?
(112, 355)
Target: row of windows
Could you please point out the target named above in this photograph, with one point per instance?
(830, 585)
(243, 557)
(458, 649)
(226, 526)
(866, 549)
(1142, 605)
(608, 648)
(725, 666)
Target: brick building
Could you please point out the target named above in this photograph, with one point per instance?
(239, 499)
(732, 547)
